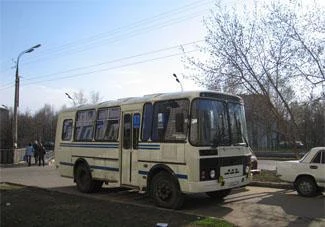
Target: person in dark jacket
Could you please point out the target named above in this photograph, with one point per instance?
(41, 154)
(36, 151)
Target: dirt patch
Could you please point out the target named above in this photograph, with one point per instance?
(29, 206)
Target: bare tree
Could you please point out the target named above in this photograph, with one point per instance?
(270, 50)
(79, 98)
(95, 97)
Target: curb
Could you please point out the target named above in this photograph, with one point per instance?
(271, 185)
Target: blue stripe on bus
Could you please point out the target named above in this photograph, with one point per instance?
(104, 145)
(105, 168)
(66, 163)
(143, 172)
(94, 167)
(180, 176)
(149, 146)
(82, 145)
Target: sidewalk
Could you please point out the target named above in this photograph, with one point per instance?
(282, 185)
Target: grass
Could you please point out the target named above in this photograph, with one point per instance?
(30, 206)
(4, 186)
(210, 222)
(267, 176)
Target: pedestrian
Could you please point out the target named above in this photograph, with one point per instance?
(41, 154)
(36, 148)
(29, 153)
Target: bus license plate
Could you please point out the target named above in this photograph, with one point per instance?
(233, 183)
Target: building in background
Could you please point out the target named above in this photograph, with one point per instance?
(265, 126)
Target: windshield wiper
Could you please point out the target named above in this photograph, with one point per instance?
(220, 139)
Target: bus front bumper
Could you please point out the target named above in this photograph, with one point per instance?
(215, 185)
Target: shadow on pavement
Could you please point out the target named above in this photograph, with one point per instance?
(293, 204)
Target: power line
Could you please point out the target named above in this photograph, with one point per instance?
(118, 60)
(115, 35)
(110, 68)
(6, 86)
(116, 38)
(193, 5)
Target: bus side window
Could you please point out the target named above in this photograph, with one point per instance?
(127, 134)
(136, 130)
(107, 124)
(170, 121)
(146, 122)
(67, 130)
(179, 123)
(84, 129)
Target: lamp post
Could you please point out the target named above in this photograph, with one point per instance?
(178, 81)
(69, 97)
(16, 102)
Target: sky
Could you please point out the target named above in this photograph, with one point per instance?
(116, 48)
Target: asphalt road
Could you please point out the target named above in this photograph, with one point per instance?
(249, 206)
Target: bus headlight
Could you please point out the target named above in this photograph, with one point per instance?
(202, 175)
(247, 169)
(212, 174)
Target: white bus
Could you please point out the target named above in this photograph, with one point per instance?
(165, 144)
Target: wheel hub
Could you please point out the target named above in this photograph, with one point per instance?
(305, 187)
(163, 191)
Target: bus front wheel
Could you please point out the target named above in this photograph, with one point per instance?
(166, 192)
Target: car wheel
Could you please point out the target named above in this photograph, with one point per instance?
(219, 194)
(83, 179)
(306, 186)
(165, 191)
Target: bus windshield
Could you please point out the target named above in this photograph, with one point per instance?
(215, 123)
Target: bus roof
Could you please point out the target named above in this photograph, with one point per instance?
(158, 97)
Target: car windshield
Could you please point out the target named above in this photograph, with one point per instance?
(305, 155)
(215, 123)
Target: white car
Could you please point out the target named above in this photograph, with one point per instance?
(306, 174)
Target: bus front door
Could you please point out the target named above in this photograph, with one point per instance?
(131, 127)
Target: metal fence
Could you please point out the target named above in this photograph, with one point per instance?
(9, 157)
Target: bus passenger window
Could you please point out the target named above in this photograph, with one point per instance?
(67, 130)
(127, 134)
(107, 124)
(146, 122)
(85, 125)
(170, 121)
(136, 130)
(179, 124)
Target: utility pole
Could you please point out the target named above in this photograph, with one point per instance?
(16, 102)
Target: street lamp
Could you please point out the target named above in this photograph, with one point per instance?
(178, 81)
(69, 97)
(16, 102)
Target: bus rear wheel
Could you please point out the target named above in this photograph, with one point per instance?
(166, 192)
(84, 180)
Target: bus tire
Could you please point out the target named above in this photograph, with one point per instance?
(165, 191)
(83, 179)
(218, 195)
